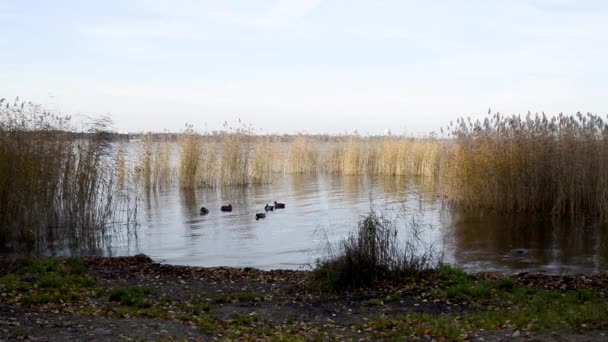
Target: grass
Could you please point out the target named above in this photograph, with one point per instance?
(134, 296)
(191, 161)
(303, 156)
(234, 159)
(497, 304)
(56, 184)
(532, 164)
(476, 303)
(44, 281)
(237, 157)
(372, 253)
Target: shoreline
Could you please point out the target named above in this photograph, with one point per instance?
(97, 297)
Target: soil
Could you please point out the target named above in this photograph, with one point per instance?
(286, 296)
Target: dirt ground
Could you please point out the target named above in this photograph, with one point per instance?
(273, 305)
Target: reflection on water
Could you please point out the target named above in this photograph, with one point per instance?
(325, 206)
(486, 241)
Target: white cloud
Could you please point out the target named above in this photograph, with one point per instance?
(280, 13)
(258, 14)
(133, 30)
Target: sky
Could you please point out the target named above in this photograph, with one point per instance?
(311, 66)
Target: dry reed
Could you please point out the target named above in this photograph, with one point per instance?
(56, 184)
(533, 164)
(303, 156)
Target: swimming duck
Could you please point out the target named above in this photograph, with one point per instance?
(260, 216)
(269, 207)
(519, 251)
(204, 211)
(279, 205)
(227, 208)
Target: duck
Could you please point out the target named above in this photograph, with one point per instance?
(519, 251)
(269, 207)
(260, 216)
(279, 205)
(204, 211)
(227, 208)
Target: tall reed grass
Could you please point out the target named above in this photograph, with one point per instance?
(241, 158)
(264, 160)
(531, 164)
(154, 161)
(234, 159)
(225, 159)
(303, 156)
(55, 184)
(191, 161)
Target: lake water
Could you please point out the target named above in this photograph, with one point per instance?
(326, 208)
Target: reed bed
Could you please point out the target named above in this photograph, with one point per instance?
(234, 159)
(154, 161)
(533, 164)
(385, 156)
(303, 156)
(121, 167)
(263, 161)
(240, 158)
(162, 163)
(55, 184)
(191, 162)
(226, 159)
(405, 156)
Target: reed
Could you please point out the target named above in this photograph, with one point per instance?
(154, 161)
(121, 167)
(401, 156)
(303, 156)
(208, 171)
(55, 184)
(331, 159)
(533, 164)
(355, 157)
(190, 160)
(162, 171)
(145, 160)
(374, 251)
(262, 162)
(234, 159)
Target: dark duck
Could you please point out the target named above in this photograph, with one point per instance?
(279, 205)
(226, 208)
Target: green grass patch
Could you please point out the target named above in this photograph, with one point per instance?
(44, 281)
(134, 296)
(500, 304)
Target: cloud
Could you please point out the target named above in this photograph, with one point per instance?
(280, 13)
(274, 14)
(186, 20)
(143, 30)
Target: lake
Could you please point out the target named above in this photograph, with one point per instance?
(322, 209)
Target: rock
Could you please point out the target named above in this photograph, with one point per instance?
(517, 333)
